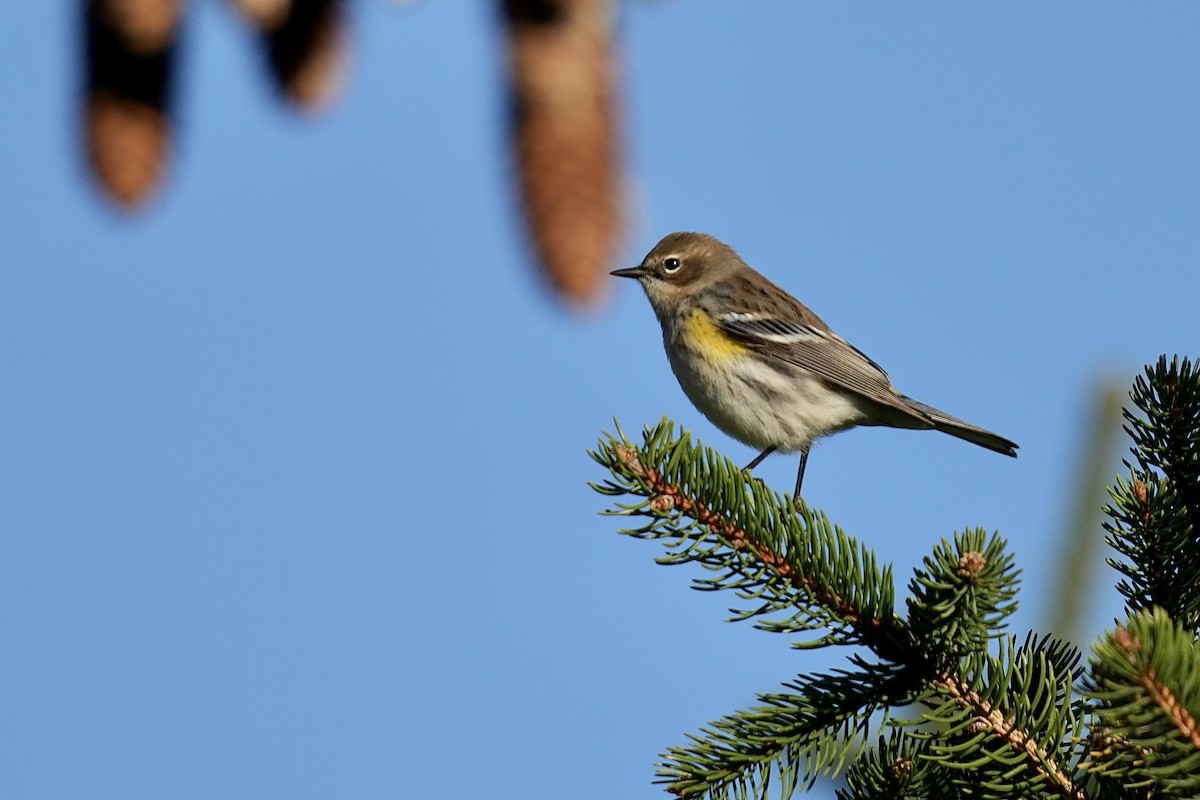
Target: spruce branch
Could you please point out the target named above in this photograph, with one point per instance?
(1145, 681)
(969, 711)
(963, 594)
(898, 767)
(1003, 727)
(1155, 512)
(1167, 440)
(801, 574)
(813, 728)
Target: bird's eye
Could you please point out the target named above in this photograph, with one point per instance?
(672, 265)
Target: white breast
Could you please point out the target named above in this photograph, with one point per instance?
(762, 406)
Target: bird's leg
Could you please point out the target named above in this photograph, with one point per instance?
(800, 476)
(758, 459)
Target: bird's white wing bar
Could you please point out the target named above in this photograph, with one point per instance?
(768, 329)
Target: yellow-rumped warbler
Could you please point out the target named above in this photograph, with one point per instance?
(761, 366)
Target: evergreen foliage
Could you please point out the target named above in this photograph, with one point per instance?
(1155, 515)
(954, 705)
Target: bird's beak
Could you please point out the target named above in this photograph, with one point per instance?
(630, 272)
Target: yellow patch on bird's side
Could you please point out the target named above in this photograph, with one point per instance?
(704, 335)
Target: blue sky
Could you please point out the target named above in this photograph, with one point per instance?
(294, 494)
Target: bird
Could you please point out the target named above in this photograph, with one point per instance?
(762, 367)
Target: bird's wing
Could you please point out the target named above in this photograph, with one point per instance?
(816, 349)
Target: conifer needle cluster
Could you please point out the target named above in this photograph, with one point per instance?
(934, 697)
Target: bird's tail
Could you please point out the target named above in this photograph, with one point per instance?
(965, 430)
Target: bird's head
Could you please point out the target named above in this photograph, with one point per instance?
(681, 265)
